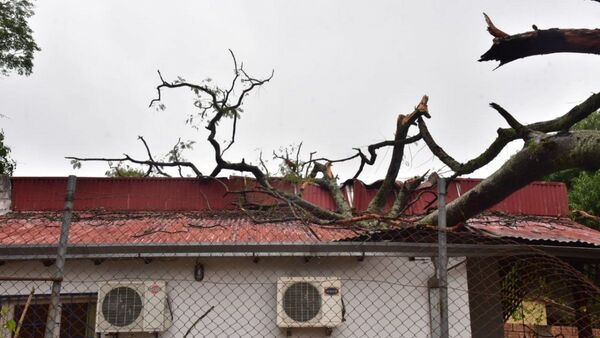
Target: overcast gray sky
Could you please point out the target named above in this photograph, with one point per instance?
(343, 71)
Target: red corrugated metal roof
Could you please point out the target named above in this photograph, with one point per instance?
(149, 227)
(537, 198)
(147, 194)
(191, 194)
(35, 228)
(552, 229)
(159, 210)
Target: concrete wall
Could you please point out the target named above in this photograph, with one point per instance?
(383, 296)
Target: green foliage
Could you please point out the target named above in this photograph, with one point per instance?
(121, 170)
(591, 122)
(9, 325)
(76, 164)
(16, 41)
(565, 176)
(7, 165)
(584, 187)
(290, 167)
(585, 195)
(176, 154)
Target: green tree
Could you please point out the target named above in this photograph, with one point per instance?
(7, 165)
(16, 54)
(585, 195)
(584, 186)
(16, 41)
(584, 192)
(121, 170)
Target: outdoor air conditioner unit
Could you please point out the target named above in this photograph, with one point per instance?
(132, 306)
(309, 302)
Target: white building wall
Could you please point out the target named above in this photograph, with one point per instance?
(383, 296)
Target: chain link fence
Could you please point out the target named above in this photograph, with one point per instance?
(144, 274)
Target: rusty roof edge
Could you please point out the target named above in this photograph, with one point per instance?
(249, 249)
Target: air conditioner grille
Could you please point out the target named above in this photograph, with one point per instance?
(121, 306)
(302, 301)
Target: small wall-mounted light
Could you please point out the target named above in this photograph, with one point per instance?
(199, 272)
(47, 262)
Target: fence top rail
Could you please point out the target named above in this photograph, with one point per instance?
(406, 249)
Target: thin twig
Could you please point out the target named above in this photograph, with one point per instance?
(25, 308)
(198, 320)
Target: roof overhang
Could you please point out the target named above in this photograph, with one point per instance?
(338, 249)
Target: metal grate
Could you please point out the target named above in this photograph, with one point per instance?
(121, 306)
(302, 301)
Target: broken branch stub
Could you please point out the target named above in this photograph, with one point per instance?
(507, 48)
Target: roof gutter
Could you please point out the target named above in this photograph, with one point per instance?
(400, 249)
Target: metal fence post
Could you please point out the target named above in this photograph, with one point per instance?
(53, 319)
(442, 264)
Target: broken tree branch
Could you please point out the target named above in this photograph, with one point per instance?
(329, 182)
(578, 149)
(586, 215)
(507, 48)
(401, 200)
(403, 124)
(372, 150)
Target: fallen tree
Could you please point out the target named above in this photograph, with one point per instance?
(550, 145)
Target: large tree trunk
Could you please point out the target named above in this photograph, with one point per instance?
(550, 153)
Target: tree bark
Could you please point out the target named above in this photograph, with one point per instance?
(550, 153)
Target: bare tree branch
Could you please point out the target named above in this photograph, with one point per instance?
(150, 167)
(150, 162)
(372, 149)
(235, 118)
(222, 108)
(507, 135)
(127, 158)
(521, 130)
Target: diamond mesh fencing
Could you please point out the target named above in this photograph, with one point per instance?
(255, 274)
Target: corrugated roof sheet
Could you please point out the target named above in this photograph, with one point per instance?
(537, 198)
(149, 227)
(27, 228)
(551, 229)
(191, 194)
